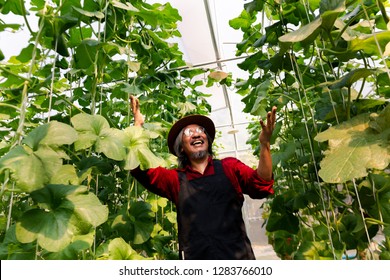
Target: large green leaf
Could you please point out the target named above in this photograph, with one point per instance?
(95, 130)
(310, 31)
(12, 249)
(148, 159)
(136, 224)
(283, 221)
(307, 32)
(373, 44)
(66, 174)
(52, 134)
(110, 143)
(118, 249)
(353, 76)
(52, 230)
(314, 250)
(86, 206)
(354, 148)
(85, 123)
(282, 216)
(32, 169)
(14, 6)
(72, 251)
(86, 53)
(65, 211)
(286, 152)
(139, 154)
(33, 164)
(26, 169)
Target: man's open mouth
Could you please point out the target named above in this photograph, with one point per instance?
(197, 142)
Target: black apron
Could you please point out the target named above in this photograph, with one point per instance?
(210, 224)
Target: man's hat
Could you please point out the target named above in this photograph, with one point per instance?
(200, 120)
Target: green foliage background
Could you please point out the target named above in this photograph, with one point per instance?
(325, 65)
(67, 140)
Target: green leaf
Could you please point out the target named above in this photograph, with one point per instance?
(110, 143)
(95, 130)
(66, 174)
(31, 170)
(330, 10)
(185, 108)
(307, 32)
(89, 123)
(52, 134)
(65, 211)
(354, 148)
(119, 250)
(52, 230)
(50, 159)
(96, 14)
(244, 21)
(157, 202)
(310, 31)
(172, 217)
(382, 206)
(284, 243)
(284, 154)
(256, 102)
(86, 53)
(283, 221)
(12, 249)
(131, 161)
(77, 35)
(139, 154)
(27, 53)
(314, 250)
(369, 43)
(260, 91)
(87, 207)
(352, 77)
(136, 224)
(125, 6)
(380, 122)
(14, 6)
(72, 251)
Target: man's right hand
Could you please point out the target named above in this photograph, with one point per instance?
(138, 118)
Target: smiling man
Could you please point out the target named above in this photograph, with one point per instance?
(207, 192)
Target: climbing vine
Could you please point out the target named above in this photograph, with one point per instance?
(324, 64)
(67, 140)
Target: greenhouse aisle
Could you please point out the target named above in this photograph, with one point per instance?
(264, 252)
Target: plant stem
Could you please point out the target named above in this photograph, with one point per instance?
(348, 109)
(383, 11)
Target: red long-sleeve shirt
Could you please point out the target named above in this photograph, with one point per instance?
(165, 182)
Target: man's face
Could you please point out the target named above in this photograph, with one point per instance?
(195, 143)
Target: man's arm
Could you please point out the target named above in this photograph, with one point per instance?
(264, 169)
(138, 118)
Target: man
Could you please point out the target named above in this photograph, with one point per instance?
(208, 193)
